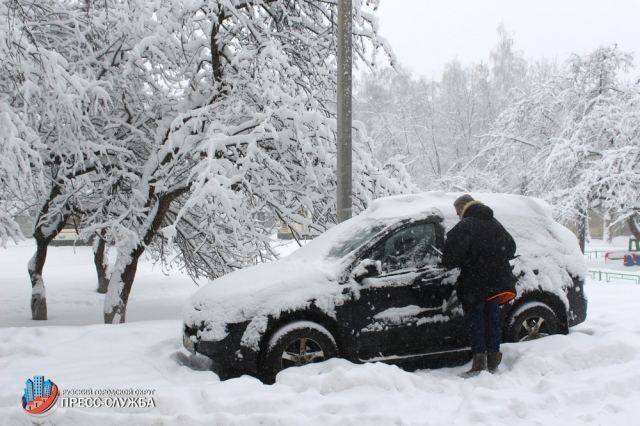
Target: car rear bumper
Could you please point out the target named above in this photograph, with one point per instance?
(230, 358)
(577, 312)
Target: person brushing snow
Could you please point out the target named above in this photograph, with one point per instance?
(481, 247)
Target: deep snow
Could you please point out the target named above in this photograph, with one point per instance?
(591, 376)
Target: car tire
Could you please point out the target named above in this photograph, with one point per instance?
(531, 321)
(296, 344)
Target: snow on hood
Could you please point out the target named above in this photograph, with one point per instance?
(312, 272)
(260, 291)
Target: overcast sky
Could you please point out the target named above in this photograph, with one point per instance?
(426, 34)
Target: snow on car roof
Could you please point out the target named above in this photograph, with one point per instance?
(264, 290)
(528, 219)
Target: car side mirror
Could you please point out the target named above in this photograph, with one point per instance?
(366, 268)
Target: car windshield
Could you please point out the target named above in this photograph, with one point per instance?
(344, 247)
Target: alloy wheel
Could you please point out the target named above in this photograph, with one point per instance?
(300, 352)
(533, 328)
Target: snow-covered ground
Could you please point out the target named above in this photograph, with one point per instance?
(591, 376)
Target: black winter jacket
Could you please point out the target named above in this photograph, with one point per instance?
(481, 247)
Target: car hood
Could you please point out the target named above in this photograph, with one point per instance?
(260, 291)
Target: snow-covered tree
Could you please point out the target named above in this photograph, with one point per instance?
(20, 171)
(55, 101)
(574, 139)
(397, 110)
(438, 128)
(186, 117)
(237, 115)
(611, 137)
(508, 70)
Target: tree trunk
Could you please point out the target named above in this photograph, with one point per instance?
(101, 261)
(38, 295)
(36, 264)
(124, 271)
(606, 228)
(633, 226)
(115, 303)
(583, 229)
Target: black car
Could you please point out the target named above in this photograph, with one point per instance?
(372, 289)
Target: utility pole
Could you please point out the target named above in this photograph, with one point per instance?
(344, 201)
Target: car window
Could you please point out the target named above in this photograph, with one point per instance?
(408, 248)
(357, 240)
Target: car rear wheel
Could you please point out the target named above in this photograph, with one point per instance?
(531, 321)
(294, 345)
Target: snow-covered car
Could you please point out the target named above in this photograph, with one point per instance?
(372, 289)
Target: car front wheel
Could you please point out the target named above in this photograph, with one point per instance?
(531, 321)
(294, 345)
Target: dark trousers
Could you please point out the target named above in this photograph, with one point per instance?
(483, 327)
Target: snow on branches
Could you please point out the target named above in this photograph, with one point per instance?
(177, 122)
(244, 122)
(20, 170)
(575, 139)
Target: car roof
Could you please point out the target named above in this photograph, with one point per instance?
(512, 209)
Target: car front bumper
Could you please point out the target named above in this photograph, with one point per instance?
(230, 358)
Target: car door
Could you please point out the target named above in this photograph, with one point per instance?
(445, 327)
(401, 311)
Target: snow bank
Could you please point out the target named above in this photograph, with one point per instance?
(590, 376)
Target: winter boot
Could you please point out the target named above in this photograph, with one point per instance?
(493, 361)
(479, 364)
